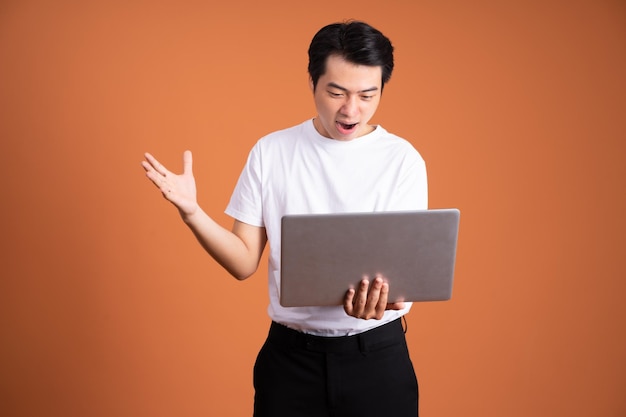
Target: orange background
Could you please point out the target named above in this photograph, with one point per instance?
(110, 308)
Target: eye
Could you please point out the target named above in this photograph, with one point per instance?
(334, 94)
(367, 98)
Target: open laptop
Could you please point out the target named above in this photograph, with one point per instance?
(323, 255)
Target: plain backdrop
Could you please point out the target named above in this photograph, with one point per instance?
(108, 306)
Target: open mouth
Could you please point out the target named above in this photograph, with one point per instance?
(347, 126)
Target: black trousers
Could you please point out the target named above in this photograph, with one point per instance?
(370, 374)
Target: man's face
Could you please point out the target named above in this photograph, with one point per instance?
(346, 98)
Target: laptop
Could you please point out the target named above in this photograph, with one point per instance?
(323, 255)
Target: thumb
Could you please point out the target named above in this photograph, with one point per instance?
(187, 163)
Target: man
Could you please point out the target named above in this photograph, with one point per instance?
(321, 361)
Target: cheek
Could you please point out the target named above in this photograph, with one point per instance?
(324, 108)
(371, 109)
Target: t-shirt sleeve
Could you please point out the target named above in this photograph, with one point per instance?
(412, 191)
(246, 201)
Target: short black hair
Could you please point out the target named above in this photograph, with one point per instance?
(356, 42)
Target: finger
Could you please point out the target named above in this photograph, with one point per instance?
(187, 163)
(347, 301)
(151, 160)
(381, 306)
(160, 181)
(360, 299)
(156, 178)
(147, 166)
(396, 306)
(373, 296)
(158, 167)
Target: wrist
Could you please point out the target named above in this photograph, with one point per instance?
(190, 216)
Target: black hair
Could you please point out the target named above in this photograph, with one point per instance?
(356, 42)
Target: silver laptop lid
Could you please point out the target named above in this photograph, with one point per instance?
(323, 255)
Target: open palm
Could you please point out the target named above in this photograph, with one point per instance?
(180, 190)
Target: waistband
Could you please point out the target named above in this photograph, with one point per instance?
(383, 336)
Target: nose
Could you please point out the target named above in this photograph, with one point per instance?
(350, 106)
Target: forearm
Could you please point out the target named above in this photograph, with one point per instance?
(236, 253)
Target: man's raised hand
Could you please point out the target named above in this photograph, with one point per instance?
(180, 190)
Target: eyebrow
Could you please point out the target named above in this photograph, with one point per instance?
(338, 87)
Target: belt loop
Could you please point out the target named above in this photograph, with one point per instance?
(363, 347)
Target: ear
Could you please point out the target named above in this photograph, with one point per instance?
(311, 84)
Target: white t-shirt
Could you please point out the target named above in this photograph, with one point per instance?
(297, 170)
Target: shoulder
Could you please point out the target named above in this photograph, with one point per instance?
(282, 143)
(396, 143)
(289, 134)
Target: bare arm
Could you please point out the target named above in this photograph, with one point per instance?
(238, 250)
